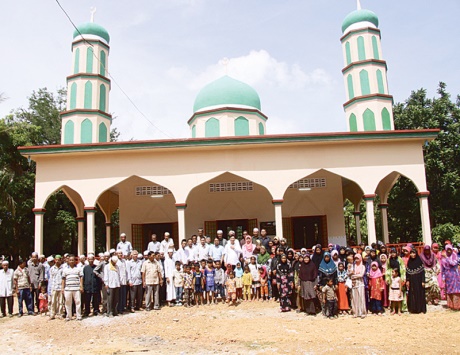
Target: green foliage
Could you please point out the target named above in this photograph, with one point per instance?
(446, 231)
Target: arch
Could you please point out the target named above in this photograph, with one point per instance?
(102, 64)
(351, 91)
(69, 132)
(76, 66)
(72, 195)
(380, 85)
(261, 129)
(89, 60)
(212, 128)
(353, 123)
(364, 81)
(386, 120)
(241, 126)
(348, 52)
(102, 132)
(369, 120)
(102, 97)
(194, 131)
(73, 96)
(375, 47)
(86, 131)
(88, 95)
(361, 48)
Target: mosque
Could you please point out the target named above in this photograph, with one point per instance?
(231, 174)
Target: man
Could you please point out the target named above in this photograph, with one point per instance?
(72, 284)
(82, 261)
(112, 285)
(232, 252)
(48, 265)
(123, 281)
(124, 245)
(265, 239)
(180, 254)
(134, 267)
(170, 266)
(92, 287)
(154, 245)
(6, 289)
(57, 298)
(216, 251)
(222, 240)
(189, 251)
(23, 287)
(194, 240)
(202, 252)
(166, 243)
(37, 276)
(255, 235)
(151, 281)
(99, 271)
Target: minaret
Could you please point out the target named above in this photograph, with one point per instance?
(86, 119)
(369, 106)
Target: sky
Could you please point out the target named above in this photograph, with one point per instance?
(162, 52)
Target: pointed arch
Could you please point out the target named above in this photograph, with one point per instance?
(73, 96)
(386, 120)
(380, 84)
(348, 52)
(102, 132)
(76, 66)
(241, 126)
(369, 120)
(212, 128)
(86, 131)
(69, 132)
(351, 91)
(89, 60)
(361, 48)
(102, 64)
(194, 131)
(88, 95)
(261, 129)
(353, 123)
(364, 81)
(102, 97)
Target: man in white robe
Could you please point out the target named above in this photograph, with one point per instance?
(169, 267)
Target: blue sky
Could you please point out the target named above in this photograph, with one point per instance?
(163, 52)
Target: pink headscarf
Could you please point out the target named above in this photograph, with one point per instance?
(450, 261)
(359, 267)
(248, 246)
(377, 273)
(428, 261)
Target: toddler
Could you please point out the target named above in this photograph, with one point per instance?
(247, 283)
(330, 299)
(396, 294)
(231, 289)
(43, 301)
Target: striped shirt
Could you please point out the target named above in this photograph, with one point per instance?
(72, 277)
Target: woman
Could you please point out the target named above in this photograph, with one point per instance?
(263, 256)
(248, 248)
(327, 270)
(285, 282)
(396, 262)
(385, 301)
(415, 283)
(432, 270)
(307, 276)
(451, 278)
(356, 272)
(437, 253)
(273, 266)
(406, 254)
(335, 257)
(342, 254)
(317, 255)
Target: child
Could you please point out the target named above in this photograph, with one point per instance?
(202, 268)
(263, 283)
(247, 283)
(189, 283)
(396, 295)
(219, 281)
(231, 289)
(376, 285)
(342, 279)
(330, 299)
(198, 277)
(178, 279)
(238, 280)
(43, 303)
(253, 267)
(209, 274)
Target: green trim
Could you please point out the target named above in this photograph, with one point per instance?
(88, 76)
(212, 128)
(361, 48)
(428, 134)
(348, 53)
(351, 91)
(367, 98)
(76, 67)
(91, 41)
(102, 63)
(364, 81)
(69, 132)
(353, 123)
(87, 112)
(241, 125)
(102, 97)
(102, 133)
(261, 129)
(86, 134)
(386, 120)
(367, 62)
(381, 87)
(89, 60)
(73, 96)
(369, 120)
(227, 110)
(361, 30)
(194, 131)
(88, 103)
(375, 47)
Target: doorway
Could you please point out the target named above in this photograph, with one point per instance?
(237, 225)
(309, 231)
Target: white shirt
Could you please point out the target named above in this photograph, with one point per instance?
(125, 247)
(6, 283)
(111, 277)
(165, 245)
(232, 253)
(190, 253)
(123, 271)
(202, 252)
(154, 246)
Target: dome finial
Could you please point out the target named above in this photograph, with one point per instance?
(92, 11)
(225, 61)
(358, 4)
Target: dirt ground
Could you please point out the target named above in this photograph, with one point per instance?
(249, 328)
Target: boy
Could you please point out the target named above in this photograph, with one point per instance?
(178, 279)
(189, 284)
(219, 281)
(330, 299)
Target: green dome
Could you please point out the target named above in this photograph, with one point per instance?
(91, 28)
(360, 16)
(226, 91)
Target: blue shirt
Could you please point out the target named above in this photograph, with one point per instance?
(215, 252)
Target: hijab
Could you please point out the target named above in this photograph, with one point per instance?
(317, 257)
(414, 265)
(428, 261)
(327, 267)
(248, 246)
(450, 261)
(377, 273)
(336, 262)
(343, 255)
(394, 262)
(262, 258)
(359, 267)
(307, 270)
(284, 268)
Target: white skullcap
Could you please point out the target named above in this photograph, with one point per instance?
(123, 235)
(114, 258)
(220, 232)
(66, 255)
(167, 234)
(112, 251)
(170, 250)
(49, 259)
(5, 262)
(100, 254)
(146, 253)
(82, 256)
(90, 255)
(255, 230)
(42, 256)
(106, 253)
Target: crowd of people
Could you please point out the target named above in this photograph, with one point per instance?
(333, 281)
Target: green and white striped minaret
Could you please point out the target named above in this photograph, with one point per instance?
(86, 119)
(369, 106)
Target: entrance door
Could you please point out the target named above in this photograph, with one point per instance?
(308, 231)
(159, 229)
(237, 225)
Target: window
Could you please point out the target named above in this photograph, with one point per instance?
(88, 95)
(73, 96)
(212, 128)
(102, 64)
(369, 120)
(231, 186)
(261, 129)
(89, 60)
(76, 67)
(102, 97)
(353, 123)
(68, 132)
(364, 80)
(151, 190)
(361, 48)
(348, 52)
(380, 82)
(351, 91)
(386, 120)
(375, 47)
(311, 183)
(102, 133)
(241, 126)
(86, 131)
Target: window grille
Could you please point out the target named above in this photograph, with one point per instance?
(231, 186)
(313, 183)
(151, 190)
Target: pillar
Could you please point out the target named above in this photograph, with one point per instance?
(38, 235)
(90, 229)
(108, 235)
(371, 235)
(278, 217)
(180, 222)
(80, 234)
(384, 213)
(357, 215)
(425, 216)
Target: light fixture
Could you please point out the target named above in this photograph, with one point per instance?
(304, 188)
(156, 196)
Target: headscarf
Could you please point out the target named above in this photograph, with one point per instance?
(394, 262)
(248, 246)
(329, 267)
(317, 258)
(430, 261)
(344, 255)
(449, 261)
(283, 268)
(414, 265)
(359, 268)
(264, 273)
(307, 270)
(377, 273)
(262, 258)
(342, 275)
(335, 252)
(384, 261)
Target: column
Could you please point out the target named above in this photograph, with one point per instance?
(181, 222)
(357, 215)
(384, 212)
(108, 235)
(38, 235)
(371, 235)
(80, 234)
(278, 217)
(90, 228)
(425, 216)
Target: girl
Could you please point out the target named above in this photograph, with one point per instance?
(198, 277)
(248, 248)
(209, 274)
(432, 269)
(437, 253)
(307, 277)
(335, 257)
(247, 283)
(263, 283)
(396, 262)
(285, 282)
(254, 269)
(231, 289)
(317, 255)
(356, 273)
(383, 260)
(298, 299)
(43, 301)
(238, 281)
(342, 277)
(189, 284)
(395, 292)
(376, 285)
(451, 278)
(415, 283)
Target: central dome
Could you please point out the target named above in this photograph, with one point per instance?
(361, 15)
(226, 91)
(91, 28)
